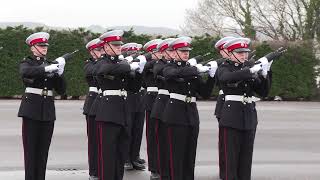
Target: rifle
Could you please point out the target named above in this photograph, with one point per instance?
(147, 55)
(274, 55)
(66, 56)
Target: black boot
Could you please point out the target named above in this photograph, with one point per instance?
(141, 161)
(93, 178)
(154, 176)
(138, 166)
(128, 166)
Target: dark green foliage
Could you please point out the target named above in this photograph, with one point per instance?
(293, 73)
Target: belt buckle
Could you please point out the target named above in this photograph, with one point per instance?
(44, 92)
(188, 99)
(123, 93)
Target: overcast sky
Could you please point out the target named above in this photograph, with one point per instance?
(75, 13)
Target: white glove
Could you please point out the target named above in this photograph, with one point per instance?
(269, 65)
(62, 62)
(60, 70)
(264, 61)
(121, 57)
(142, 59)
(255, 68)
(51, 68)
(201, 68)
(192, 62)
(129, 58)
(134, 66)
(142, 63)
(213, 68)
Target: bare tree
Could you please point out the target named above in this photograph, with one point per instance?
(204, 19)
(283, 19)
(220, 16)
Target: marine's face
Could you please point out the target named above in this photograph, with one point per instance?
(182, 55)
(112, 49)
(156, 55)
(224, 53)
(239, 56)
(96, 53)
(39, 51)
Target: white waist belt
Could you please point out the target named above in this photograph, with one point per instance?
(182, 97)
(93, 89)
(163, 91)
(152, 89)
(115, 93)
(239, 98)
(100, 91)
(38, 91)
(221, 92)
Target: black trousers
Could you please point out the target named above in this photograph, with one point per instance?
(163, 150)
(151, 143)
(238, 150)
(182, 146)
(112, 149)
(135, 127)
(36, 136)
(92, 145)
(221, 154)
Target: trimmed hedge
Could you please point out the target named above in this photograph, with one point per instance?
(293, 73)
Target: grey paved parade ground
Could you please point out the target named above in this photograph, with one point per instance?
(287, 143)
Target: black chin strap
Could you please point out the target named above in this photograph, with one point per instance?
(95, 54)
(155, 55)
(112, 49)
(225, 52)
(38, 50)
(178, 55)
(168, 54)
(236, 58)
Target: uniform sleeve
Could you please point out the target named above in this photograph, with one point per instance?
(148, 69)
(227, 76)
(60, 84)
(113, 69)
(157, 69)
(205, 87)
(28, 71)
(171, 72)
(262, 85)
(149, 65)
(134, 81)
(88, 69)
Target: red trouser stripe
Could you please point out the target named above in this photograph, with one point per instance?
(88, 131)
(219, 151)
(98, 142)
(23, 141)
(158, 145)
(171, 154)
(225, 151)
(101, 154)
(147, 129)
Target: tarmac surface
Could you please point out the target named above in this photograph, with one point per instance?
(287, 145)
